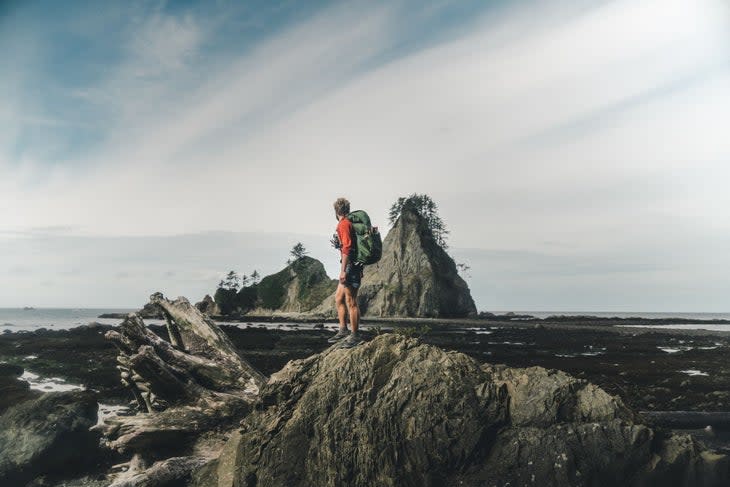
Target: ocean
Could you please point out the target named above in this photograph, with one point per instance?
(632, 314)
(16, 319)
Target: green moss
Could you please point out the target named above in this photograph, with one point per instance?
(226, 300)
(314, 285)
(247, 298)
(272, 289)
(311, 296)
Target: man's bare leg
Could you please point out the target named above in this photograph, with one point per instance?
(340, 302)
(354, 311)
(352, 307)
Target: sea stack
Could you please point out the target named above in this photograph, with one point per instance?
(297, 288)
(414, 278)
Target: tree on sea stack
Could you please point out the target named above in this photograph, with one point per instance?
(428, 209)
(416, 277)
(225, 295)
(230, 282)
(298, 251)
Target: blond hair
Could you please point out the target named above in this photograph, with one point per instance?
(342, 206)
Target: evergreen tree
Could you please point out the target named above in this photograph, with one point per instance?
(230, 282)
(428, 209)
(255, 277)
(226, 300)
(298, 251)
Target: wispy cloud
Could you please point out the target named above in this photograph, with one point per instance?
(595, 124)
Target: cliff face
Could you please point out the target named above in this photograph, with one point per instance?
(414, 278)
(298, 288)
(396, 412)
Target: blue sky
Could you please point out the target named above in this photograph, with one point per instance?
(577, 149)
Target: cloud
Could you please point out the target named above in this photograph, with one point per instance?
(123, 271)
(598, 127)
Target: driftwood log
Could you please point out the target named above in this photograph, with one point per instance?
(192, 383)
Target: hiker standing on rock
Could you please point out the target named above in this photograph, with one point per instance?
(350, 278)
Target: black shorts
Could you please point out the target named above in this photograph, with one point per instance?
(353, 275)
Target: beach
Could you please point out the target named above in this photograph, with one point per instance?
(653, 365)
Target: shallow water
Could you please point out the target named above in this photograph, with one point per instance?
(57, 384)
(16, 319)
(48, 384)
(684, 326)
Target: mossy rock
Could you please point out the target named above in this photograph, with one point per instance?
(311, 281)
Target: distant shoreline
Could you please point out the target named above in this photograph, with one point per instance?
(481, 320)
(485, 320)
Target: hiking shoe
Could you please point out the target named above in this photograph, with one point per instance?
(339, 335)
(352, 341)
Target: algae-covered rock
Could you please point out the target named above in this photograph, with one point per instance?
(207, 306)
(47, 435)
(297, 288)
(12, 390)
(542, 397)
(387, 413)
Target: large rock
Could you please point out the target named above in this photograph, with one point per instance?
(150, 312)
(298, 288)
(414, 278)
(395, 412)
(47, 435)
(208, 306)
(12, 390)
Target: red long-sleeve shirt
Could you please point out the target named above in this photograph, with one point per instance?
(344, 233)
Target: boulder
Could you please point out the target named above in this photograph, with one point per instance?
(208, 306)
(12, 390)
(414, 278)
(397, 412)
(150, 312)
(542, 397)
(47, 435)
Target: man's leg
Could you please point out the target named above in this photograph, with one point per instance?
(340, 298)
(341, 314)
(354, 311)
(352, 307)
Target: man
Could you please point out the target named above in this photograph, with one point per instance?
(350, 278)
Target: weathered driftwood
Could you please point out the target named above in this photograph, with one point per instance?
(198, 361)
(194, 383)
(172, 471)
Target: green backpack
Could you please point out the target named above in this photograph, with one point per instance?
(368, 245)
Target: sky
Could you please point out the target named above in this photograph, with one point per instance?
(577, 149)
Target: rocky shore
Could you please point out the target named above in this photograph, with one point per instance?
(646, 369)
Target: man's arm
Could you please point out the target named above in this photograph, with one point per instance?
(344, 231)
(345, 260)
